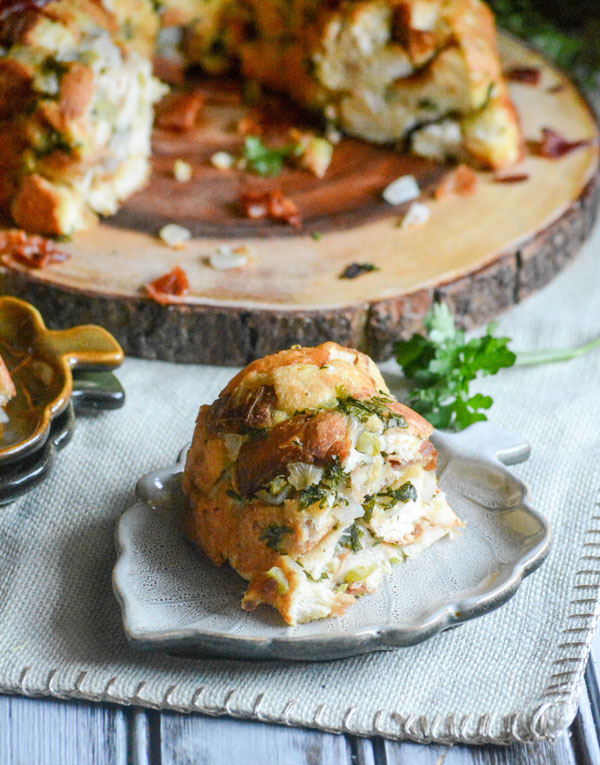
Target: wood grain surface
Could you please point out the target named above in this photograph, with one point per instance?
(481, 253)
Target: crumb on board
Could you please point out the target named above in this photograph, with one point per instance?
(182, 171)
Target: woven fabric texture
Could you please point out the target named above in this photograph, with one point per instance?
(511, 675)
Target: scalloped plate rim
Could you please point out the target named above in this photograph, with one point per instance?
(202, 643)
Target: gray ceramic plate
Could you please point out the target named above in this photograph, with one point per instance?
(174, 599)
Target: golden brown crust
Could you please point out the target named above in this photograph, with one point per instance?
(313, 439)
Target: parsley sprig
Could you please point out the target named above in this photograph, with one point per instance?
(442, 365)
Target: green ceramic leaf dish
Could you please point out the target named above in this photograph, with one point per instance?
(40, 362)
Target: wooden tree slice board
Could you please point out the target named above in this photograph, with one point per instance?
(481, 253)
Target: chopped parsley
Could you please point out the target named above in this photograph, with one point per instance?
(264, 160)
(368, 506)
(363, 410)
(317, 236)
(315, 493)
(333, 477)
(406, 493)
(53, 140)
(273, 535)
(233, 494)
(351, 538)
(357, 269)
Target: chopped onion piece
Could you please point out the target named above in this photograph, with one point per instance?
(226, 257)
(348, 513)
(303, 475)
(222, 160)
(182, 171)
(417, 215)
(282, 583)
(175, 236)
(403, 189)
(233, 443)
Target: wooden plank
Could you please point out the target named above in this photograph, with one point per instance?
(366, 751)
(50, 732)
(406, 753)
(195, 740)
(139, 737)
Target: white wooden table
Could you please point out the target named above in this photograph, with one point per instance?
(51, 732)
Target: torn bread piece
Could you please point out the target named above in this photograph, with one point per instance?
(311, 481)
(76, 110)
(424, 72)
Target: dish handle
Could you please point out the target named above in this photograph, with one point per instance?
(489, 439)
(85, 346)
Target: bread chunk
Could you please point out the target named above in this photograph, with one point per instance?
(311, 481)
(76, 110)
(382, 70)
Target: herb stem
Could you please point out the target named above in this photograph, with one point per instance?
(550, 356)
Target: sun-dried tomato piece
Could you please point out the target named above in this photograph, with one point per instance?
(515, 178)
(461, 181)
(528, 75)
(554, 145)
(270, 204)
(179, 111)
(173, 284)
(29, 250)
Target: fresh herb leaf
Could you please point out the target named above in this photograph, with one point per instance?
(334, 477)
(351, 538)
(406, 493)
(264, 160)
(234, 495)
(368, 506)
(273, 536)
(315, 493)
(442, 365)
